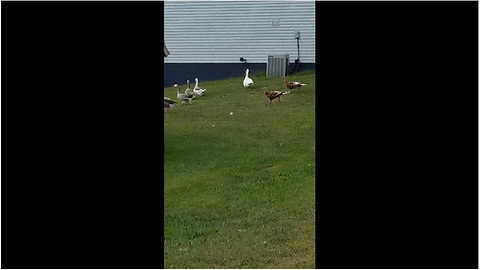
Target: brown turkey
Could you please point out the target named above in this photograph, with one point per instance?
(292, 85)
(273, 95)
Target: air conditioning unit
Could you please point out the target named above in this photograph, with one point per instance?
(277, 65)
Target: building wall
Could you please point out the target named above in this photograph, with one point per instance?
(219, 33)
(179, 73)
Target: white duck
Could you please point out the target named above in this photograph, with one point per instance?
(247, 82)
(188, 91)
(184, 99)
(197, 91)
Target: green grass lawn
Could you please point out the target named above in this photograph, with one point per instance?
(240, 188)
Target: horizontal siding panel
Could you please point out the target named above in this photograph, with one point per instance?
(186, 7)
(258, 14)
(257, 50)
(223, 23)
(215, 49)
(224, 31)
(239, 35)
(277, 41)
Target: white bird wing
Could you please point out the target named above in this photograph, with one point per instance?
(247, 82)
(197, 92)
(299, 83)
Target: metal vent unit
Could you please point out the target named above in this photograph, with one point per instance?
(277, 65)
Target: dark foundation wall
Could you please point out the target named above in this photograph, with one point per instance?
(180, 73)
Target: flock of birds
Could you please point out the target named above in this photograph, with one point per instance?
(189, 94)
(186, 97)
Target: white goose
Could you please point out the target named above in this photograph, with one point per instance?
(247, 82)
(188, 91)
(184, 99)
(197, 91)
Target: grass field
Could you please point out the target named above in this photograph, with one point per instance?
(240, 188)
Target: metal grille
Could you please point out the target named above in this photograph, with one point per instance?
(277, 65)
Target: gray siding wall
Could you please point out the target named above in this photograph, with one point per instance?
(224, 31)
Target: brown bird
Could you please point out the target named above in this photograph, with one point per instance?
(274, 94)
(182, 97)
(188, 91)
(168, 104)
(292, 85)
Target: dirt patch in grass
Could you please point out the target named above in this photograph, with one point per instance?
(274, 167)
(300, 249)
